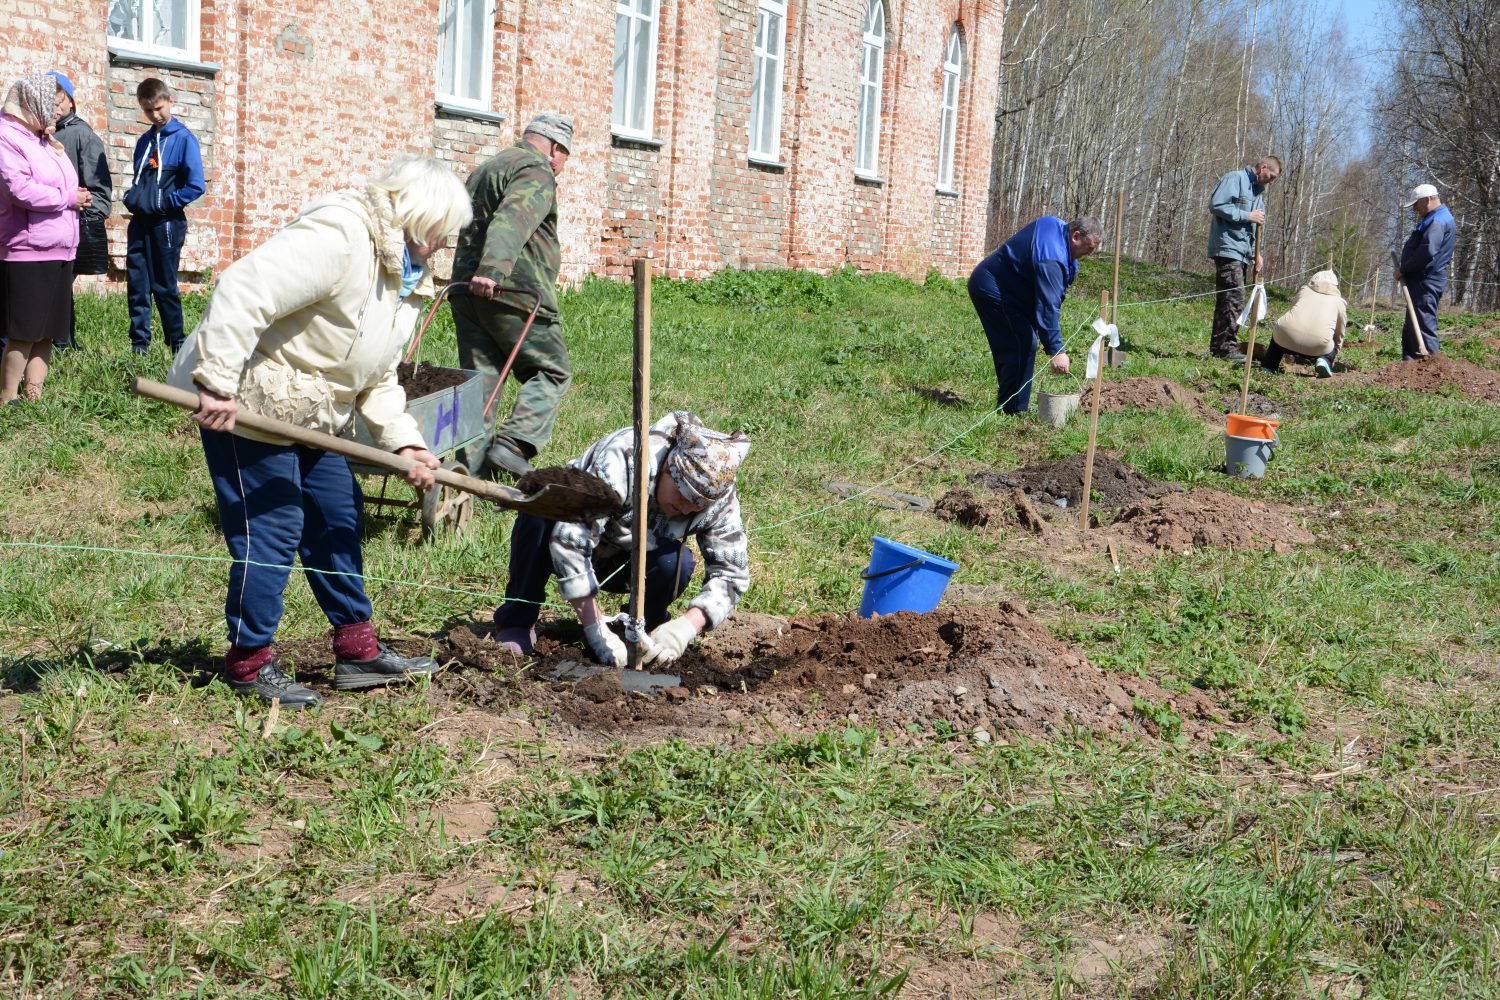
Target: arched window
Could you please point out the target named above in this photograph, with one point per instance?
(953, 71)
(765, 92)
(635, 67)
(872, 67)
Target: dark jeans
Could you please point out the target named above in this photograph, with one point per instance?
(1424, 300)
(669, 567)
(1013, 345)
(278, 503)
(1229, 282)
(1275, 352)
(153, 250)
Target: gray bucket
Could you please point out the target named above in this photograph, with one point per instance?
(1247, 457)
(1054, 408)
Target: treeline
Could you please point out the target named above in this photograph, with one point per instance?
(1159, 98)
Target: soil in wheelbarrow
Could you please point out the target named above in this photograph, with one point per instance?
(1441, 374)
(424, 380)
(969, 670)
(1114, 484)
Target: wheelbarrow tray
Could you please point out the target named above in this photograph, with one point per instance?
(449, 419)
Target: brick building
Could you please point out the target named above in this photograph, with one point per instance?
(710, 133)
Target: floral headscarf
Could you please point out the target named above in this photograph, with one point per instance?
(34, 95)
(703, 462)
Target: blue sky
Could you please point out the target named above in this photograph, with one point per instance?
(1369, 22)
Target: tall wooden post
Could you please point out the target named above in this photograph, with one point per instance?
(1088, 462)
(1114, 315)
(1254, 320)
(641, 390)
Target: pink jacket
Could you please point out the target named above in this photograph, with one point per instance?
(38, 197)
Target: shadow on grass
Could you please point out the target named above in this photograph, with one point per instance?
(192, 657)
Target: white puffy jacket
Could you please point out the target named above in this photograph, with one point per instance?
(309, 326)
(1314, 326)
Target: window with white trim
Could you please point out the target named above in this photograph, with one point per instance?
(765, 92)
(872, 67)
(635, 67)
(168, 27)
(465, 43)
(953, 70)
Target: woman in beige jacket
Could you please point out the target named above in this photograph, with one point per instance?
(308, 328)
(1313, 327)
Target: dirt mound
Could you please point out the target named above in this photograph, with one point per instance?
(1114, 485)
(1441, 373)
(1143, 393)
(424, 380)
(1200, 518)
(1256, 405)
(971, 669)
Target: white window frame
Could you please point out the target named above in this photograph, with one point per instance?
(871, 76)
(143, 46)
(769, 55)
(953, 78)
(453, 39)
(632, 16)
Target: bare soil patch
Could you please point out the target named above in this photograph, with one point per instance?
(1256, 405)
(1441, 374)
(1114, 484)
(1145, 393)
(1202, 517)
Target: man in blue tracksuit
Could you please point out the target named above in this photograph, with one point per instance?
(1424, 266)
(168, 176)
(1237, 205)
(1018, 292)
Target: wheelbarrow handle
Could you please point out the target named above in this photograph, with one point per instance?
(462, 288)
(494, 492)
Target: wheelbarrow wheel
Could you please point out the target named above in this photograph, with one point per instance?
(445, 510)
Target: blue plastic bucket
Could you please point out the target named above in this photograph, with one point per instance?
(1247, 457)
(901, 578)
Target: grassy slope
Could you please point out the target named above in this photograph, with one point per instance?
(1354, 849)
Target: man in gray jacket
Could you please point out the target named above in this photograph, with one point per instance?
(86, 152)
(1238, 205)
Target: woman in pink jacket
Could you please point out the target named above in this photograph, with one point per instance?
(39, 204)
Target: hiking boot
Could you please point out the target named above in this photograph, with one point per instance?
(1323, 368)
(1234, 354)
(382, 668)
(273, 684)
(515, 639)
(504, 455)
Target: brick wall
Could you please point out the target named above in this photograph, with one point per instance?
(308, 98)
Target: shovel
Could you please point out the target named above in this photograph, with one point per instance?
(552, 502)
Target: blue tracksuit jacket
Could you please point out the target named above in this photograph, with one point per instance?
(1429, 249)
(1029, 276)
(168, 173)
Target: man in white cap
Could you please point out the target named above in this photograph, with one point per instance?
(1424, 267)
(510, 255)
(691, 482)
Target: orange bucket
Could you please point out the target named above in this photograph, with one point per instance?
(1261, 428)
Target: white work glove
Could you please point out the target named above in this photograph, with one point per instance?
(671, 639)
(607, 647)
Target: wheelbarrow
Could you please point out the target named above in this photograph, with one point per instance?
(455, 421)
(552, 502)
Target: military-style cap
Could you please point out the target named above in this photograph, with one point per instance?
(558, 128)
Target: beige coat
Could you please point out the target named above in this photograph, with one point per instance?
(309, 326)
(1314, 326)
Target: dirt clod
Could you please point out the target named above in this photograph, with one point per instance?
(1441, 373)
(1114, 485)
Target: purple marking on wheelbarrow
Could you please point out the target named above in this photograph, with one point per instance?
(447, 421)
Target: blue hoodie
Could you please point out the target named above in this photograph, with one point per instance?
(168, 173)
(1030, 275)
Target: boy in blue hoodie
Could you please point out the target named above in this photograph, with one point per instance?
(168, 176)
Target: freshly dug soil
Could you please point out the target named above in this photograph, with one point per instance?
(1047, 482)
(1203, 517)
(988, 509)
(942, 397)
(1144, 393)
(566, 477)
(974, 668)
(1439, 373)
(1256, 405)
(424, 380)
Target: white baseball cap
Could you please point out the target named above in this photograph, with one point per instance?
(1418, 193)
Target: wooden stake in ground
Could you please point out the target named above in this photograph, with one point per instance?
(1088, 462)
(1254, 319)
(1411, 312)
(641, 389)
(1112, 356)
(1374, 297)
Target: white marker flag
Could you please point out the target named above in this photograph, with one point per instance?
(1104, 330)
(1258, 302)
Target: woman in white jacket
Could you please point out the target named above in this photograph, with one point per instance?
(309, 328)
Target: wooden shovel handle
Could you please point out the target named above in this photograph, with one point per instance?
(363, 453)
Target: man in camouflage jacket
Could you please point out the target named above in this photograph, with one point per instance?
(512, 244)
(691, 482)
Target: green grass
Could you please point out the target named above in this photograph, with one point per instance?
(157, 841)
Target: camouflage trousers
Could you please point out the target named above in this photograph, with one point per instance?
(487, 332)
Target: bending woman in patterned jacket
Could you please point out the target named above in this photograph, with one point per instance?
(692, 488)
